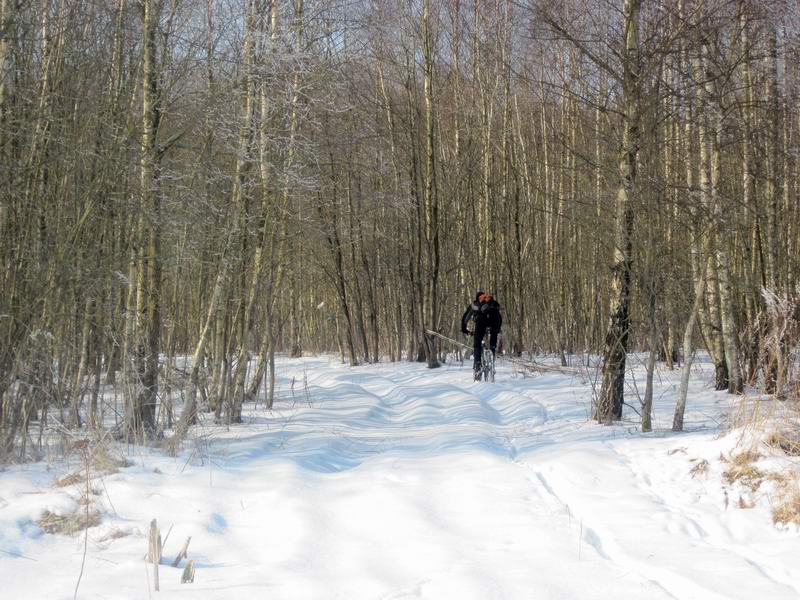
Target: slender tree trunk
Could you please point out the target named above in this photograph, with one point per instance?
(189, 413)
(609, 403)
(78, 389)
(431, 200)
(688, 355)
(145, 411)
(729, 330)
(711, 320)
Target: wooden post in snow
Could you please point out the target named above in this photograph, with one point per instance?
(154, 550)
(183, 552)
(188, 573)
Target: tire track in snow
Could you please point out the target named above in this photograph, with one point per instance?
(425, 413)
(603, 539)
(375, 414)
(690, 526)
(588, 534)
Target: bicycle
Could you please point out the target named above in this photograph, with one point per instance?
(487, 370)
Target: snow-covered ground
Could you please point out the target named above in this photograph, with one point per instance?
(393, 481)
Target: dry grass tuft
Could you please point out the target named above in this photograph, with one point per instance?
(106, 462)
(97, 458)
(68, 480)
(787, 510)
(85, 500)
(786, 507)
(114, 534)
(745, 503)
(745, 458)
(786, 440)
(743, 471)
(749, 476)
(771, 419)
(71, 524)
(101, 460)
(700, 468)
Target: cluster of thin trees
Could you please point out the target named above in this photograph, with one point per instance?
(188, 188)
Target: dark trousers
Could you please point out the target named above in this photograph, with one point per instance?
(477, 345)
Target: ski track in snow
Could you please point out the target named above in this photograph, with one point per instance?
(390, 482)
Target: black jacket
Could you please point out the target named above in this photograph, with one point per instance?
(486, 314)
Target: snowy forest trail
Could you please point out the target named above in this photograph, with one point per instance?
(394, 481)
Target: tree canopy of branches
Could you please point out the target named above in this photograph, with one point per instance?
(188, 188)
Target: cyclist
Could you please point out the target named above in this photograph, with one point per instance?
(485, 311)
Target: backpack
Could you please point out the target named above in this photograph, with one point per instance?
(491, 312)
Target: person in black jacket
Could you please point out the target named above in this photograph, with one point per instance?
(485, 311)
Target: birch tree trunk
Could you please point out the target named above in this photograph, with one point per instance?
(431, 305)
(688, 355)
(189, 413)
(712, 320)
(720, 221)
(148, 275)
(609, 403)
(728, 317)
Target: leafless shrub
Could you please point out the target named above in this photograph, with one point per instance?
(779, 356)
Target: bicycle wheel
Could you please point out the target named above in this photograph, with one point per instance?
(487, 363)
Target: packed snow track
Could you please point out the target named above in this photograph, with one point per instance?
(394, 481)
